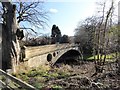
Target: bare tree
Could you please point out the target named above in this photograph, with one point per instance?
(96, 32)
(26, 12)
(32, 12)
(84, 34)
(102, 38)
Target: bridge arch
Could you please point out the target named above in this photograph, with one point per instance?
(70, 56)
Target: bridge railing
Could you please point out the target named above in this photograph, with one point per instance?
(7, 81)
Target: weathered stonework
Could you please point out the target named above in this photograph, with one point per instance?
(38, 55)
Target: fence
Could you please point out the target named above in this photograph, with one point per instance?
(10, 82)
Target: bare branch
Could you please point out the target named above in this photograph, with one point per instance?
(30, 29)
(33, 13)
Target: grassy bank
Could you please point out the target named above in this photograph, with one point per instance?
(40, 77)
(109, 57)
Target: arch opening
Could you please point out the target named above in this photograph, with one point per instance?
(70, 57)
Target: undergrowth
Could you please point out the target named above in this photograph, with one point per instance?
(39, 76)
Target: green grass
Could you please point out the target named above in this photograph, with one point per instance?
(88, 57)
(39, 76)
(57, 87)
(91, 57)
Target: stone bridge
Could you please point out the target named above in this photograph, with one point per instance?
(50, 54)
(43, 55)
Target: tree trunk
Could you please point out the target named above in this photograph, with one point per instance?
(11, 48)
